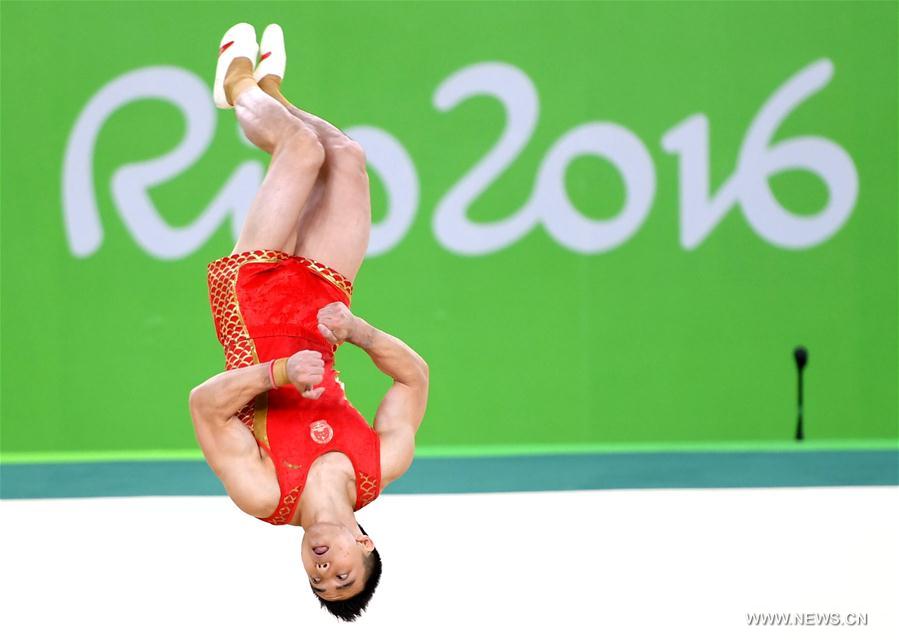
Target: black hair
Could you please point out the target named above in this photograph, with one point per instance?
(350, 608)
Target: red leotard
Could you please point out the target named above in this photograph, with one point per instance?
(265, 305)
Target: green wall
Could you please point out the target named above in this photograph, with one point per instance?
(734, 166)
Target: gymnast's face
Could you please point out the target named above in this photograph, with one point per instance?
(334, 560)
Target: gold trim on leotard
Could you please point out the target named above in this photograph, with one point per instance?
(240, 350)
(330, 274)
(260, 414)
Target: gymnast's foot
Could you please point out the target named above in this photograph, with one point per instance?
(234, 71)
(272, 63)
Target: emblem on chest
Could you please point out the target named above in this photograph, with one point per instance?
(321, 432)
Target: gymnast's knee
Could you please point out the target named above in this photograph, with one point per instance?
(304, 145)
(346, 155)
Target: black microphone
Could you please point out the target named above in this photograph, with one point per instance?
(800, 354)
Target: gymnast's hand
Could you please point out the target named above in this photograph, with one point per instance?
(335, 322)
(305, 369)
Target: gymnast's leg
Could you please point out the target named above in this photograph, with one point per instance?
(297, 157)
(335, 223)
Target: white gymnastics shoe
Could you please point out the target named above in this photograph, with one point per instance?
(238, 42)
(273, 58)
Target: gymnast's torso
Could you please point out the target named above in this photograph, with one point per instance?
(264, 305)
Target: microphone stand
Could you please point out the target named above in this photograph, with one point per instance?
(800, 354)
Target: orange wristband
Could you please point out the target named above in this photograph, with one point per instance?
(278, 372)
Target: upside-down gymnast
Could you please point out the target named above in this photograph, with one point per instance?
(276, 426)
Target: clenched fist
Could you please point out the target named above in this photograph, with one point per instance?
(335, 322)
(305, 369)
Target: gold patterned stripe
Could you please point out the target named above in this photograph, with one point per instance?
(240, 350)
(285, 511)
(369, 489)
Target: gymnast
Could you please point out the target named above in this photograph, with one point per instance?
(276, 426)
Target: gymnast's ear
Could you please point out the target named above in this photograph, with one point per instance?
(367, 543)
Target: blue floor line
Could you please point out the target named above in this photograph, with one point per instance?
(488, 474)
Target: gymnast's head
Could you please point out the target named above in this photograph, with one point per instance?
(343, 568)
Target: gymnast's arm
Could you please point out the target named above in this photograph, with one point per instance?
(229, 447)
(220, 397)
(403, 407)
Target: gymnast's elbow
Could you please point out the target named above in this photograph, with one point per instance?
(200, 400)
(415, 374)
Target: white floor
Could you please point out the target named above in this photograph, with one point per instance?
(614, 566)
